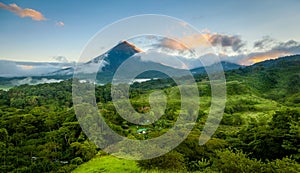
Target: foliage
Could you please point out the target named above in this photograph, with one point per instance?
(237, 161)
(39, 131)
(172, 161)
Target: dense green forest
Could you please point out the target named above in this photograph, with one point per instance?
(259, 132)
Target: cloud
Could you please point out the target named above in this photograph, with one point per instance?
(270, 49)
(163, 45)
(31, 81)
(234, 42)
(172, 44)
(206, 39)
(27, 12)
(261, 56)
(8, 68)
(270, 44)
(290, 46)
(187, 42)
(26, 67)
(62, 59)
(18, 69)
(265, 43)
(60, 23)
(230, 48)
(162, 58)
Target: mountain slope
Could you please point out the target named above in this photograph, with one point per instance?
(110, 61)
(287, 61)
(107, 62)
(226, 67)
(277, 79)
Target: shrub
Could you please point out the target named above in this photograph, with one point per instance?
(229, 161)
(172, 161)
(76, 161)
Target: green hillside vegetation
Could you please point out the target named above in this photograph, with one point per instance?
(108, 164)
(259, 132)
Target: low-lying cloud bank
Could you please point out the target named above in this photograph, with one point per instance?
(23, 69)
(31, 81)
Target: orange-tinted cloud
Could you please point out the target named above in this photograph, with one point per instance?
(172, 44)
(276, 49)
(185, 43)
(195, 40)
(259, 57)
(27, 12)
(26, 67)
(205, 39)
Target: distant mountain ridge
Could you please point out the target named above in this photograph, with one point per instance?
(109, 62)
(293, 60)
(226, 66)
(105, 66)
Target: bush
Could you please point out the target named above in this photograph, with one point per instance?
(77, 161)
(229, 161)
(282, 166)
(172, 161)
(236, 88)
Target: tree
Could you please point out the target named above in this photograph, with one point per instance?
(275, 139)
(293, 85)
(269, 80)
(228, 161)
(86, 151)
(3, 148)
(172, 161)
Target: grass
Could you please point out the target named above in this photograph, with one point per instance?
(109, 164)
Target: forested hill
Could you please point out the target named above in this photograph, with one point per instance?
(259, 131)
(277, 79)
(282, 62)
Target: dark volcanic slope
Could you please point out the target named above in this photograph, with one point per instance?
(116, 56)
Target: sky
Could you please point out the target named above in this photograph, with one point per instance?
(57, 30)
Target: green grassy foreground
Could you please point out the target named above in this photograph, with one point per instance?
(108, 164)
(111, 164)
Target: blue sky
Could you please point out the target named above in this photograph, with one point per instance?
(65, 27)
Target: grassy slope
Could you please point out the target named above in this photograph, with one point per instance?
(110, 164)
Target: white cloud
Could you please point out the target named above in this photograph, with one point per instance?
(31, 81)
(60, 59)
(15, 69)
(60, 23)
